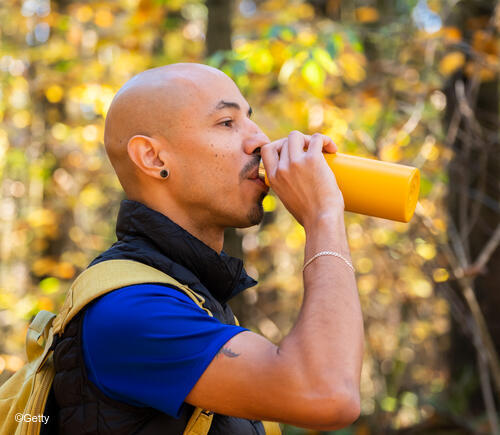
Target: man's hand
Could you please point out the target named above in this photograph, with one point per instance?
(298, 173)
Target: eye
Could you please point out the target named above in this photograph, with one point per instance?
(227, 123)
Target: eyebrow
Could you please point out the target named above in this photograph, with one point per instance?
(230, 104)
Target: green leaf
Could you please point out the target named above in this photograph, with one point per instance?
(426, 185)
(216, 59)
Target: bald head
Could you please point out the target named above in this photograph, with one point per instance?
(153, 103)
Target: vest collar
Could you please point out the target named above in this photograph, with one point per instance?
(222, 275)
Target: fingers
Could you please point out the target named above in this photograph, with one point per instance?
(280, 153)
(270, 154)
(284, 163)
(296, 144)
(315, 144)
(329, 145)
(322, 143)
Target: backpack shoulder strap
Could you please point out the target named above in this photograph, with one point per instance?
(108, 276)
(199, 423)
(114, 274)
(40, 326)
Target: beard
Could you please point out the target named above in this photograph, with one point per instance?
(256, 213)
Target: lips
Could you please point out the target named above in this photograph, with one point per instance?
(254, 174)
(260, 183)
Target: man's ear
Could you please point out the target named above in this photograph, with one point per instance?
(147, 154)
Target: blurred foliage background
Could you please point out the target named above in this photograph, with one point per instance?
(409, 81)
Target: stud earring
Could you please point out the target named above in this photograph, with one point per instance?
(164, 173)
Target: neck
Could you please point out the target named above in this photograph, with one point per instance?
(212, 236)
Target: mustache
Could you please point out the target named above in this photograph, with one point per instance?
(250, 167)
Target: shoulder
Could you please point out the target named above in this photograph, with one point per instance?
(140, 305)
(141, 293)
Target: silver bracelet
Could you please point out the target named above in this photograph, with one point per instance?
(335, 254)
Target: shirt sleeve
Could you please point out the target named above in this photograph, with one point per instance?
(148, 344)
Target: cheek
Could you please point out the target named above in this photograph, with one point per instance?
(215, 159)
(223, 161)
(224, 173)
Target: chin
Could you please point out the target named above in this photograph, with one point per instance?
(253, 217)
(256, 213)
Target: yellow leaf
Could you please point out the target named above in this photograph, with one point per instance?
(60, 131)
(391, 153)
(84, 13)
(49, 285)
(296, 238)
(41, 217)
(104, 18)
(303, 11)
(352, 67)
(485, 74)
(54, 93)
(484, 42)
(382, 236)
(440, 275)
(421, 288)
(279, 52)
(91, 196)
(269, 203)
(4, 142)
(12, 362)
(64, 270)
(426, 250)
(43, 266)
(452, 34)
(313, 74)
(364, 265)
(261, 61)
(366, 14)
(440, 224)
(451, 62)
(307, 37)
(366, 284)
(21, 119)
(45, 303)
(325, 60)
(286, 70)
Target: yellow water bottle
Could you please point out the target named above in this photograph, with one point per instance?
(373, 187)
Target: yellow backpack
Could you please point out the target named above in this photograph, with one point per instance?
(23, 396)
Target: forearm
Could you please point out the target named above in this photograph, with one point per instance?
(312, 378)
(326, 343)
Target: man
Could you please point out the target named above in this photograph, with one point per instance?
(138, 359)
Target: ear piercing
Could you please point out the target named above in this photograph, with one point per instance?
(164, 173)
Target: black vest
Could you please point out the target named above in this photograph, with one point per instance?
(151, 238)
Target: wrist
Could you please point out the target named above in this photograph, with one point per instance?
(332, 253)
(326, 232)
(325, 220)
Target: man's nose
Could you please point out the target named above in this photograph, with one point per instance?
(255, 140)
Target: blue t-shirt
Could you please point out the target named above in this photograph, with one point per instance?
(148, 344)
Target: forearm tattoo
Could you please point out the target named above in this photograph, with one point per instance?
(228, 352)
